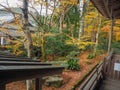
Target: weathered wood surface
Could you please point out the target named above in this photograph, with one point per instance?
(110, 68)
(108, 8)
(97, 74)
(15, 69)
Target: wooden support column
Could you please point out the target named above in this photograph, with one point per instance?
(38, 85)
(2, 86)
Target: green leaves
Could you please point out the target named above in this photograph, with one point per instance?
(73, 64)
(73, 61)
(56, 45)
(90, 56)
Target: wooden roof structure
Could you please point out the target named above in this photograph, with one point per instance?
(108, 8)
(14, 72)
(13, 68)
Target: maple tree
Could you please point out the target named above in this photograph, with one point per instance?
(82, 27)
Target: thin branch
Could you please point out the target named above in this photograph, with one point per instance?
(12, 37)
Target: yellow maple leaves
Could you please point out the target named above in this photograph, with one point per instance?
(71, 2)
(117, 36)
(81, 44)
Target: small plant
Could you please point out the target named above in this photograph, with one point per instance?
(73, 61)
(73, 64)
(90, 56)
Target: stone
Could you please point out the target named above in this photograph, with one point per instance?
(54, 81)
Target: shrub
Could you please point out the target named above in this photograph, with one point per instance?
(73, 61)
(37, 51)
(56, 45)
(90, 56)
(73, 64)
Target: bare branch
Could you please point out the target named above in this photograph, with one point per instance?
(12, 37)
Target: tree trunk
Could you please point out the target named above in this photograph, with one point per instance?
(82, 5)
(28, 37)
(110, 37)
(43, 37)
(29, 42)
(93, 37)
(61, 22)
(43, 49)
(97, 35)
(26, 29)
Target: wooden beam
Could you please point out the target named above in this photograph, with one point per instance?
(10, 73)
(2, 86)
(116, 6)
(101, 7)
(116, 14)
(38, 85)
(107, 8)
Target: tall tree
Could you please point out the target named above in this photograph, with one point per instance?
(83, 4)
(28, 37)
(25, 25)
(97, 36)
(26, 29)
(111, 35)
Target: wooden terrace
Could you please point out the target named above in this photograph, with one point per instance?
(104, 76)
(13, 68)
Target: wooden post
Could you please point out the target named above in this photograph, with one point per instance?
(38, 84)
(2, 86)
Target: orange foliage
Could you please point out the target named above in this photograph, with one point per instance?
(106, 28)
(117, 36)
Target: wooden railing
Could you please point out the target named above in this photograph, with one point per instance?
(111, 66)
(97, 74)
(92, 79)
(107, 63)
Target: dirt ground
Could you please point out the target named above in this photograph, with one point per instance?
(70, 77)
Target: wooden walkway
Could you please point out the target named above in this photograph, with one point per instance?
(105, 76)
(111, 80)
(109, 84)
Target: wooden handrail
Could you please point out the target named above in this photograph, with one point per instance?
(107, 62)
(93, 78)
(109, 56)
(91, 81)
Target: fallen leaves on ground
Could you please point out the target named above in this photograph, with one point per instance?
(70, 77)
